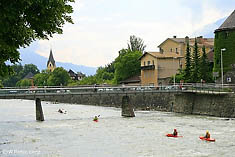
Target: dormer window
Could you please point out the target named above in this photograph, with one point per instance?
(176, 50)
(171, 50)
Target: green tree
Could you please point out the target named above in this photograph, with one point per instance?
(205, 72)
(40, 79)
(19, 72)
(90, 80)
(104, 73)
(179, 76)
(23, 21)
(110, 68)
(11, 80)
(126, 65)
(136, 44)
(29, 68)
(187, 70)
(24, 83)
(1, 85)
(58, 77)
(195, 64)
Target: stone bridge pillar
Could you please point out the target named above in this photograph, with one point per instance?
(39, 112)
(127, 108)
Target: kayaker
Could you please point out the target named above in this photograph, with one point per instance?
(207, 134)
(60, 111)
(175, 133)
(95, 119)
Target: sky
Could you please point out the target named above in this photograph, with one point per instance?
(102, 27)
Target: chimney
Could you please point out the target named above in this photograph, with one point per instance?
(186, 39)
(200, 39)
(174, 36)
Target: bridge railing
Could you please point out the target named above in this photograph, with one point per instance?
(196, 87)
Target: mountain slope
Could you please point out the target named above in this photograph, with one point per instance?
(208, 30)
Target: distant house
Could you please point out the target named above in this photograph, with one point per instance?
(79, 76)
(30, 75)
(51, 62)
(132, 81)
(72, 75)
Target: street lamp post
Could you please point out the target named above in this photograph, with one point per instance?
(222, 77)
(173, 69)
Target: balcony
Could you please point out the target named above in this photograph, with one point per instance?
(148, 67)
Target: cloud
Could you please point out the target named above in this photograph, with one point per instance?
(103, 27)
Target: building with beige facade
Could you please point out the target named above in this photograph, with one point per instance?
(157, 68)
(178, 45)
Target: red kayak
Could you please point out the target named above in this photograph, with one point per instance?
(171, 135)
(95, 120)
(207, 139)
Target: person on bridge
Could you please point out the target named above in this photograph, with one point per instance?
(207, 134)
(175, 133)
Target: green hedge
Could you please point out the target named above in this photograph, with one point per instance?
(224, 39)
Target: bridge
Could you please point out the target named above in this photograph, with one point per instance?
(145, 97)
(42, 92)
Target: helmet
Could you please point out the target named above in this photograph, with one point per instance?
(207, 131)
(174, 129)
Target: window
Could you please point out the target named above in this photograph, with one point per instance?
(226, 35)
(229, 79)
(153, 62)
(176, 50)
(144, 63)
(161, 50)
(148, 62)
(171, 49)
(180, 63)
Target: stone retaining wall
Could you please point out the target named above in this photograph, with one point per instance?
(221, 105)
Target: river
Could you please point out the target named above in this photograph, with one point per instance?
(75, 134)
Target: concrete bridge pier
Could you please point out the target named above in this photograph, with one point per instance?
(127, 108)
(39, 112)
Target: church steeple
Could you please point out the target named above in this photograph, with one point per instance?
(51, 62)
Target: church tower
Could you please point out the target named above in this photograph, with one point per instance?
(51, 62)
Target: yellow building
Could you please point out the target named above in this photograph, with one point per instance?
(51, 62)
(178, 45)
(157, 68)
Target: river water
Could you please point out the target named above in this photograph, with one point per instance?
(75, 134)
